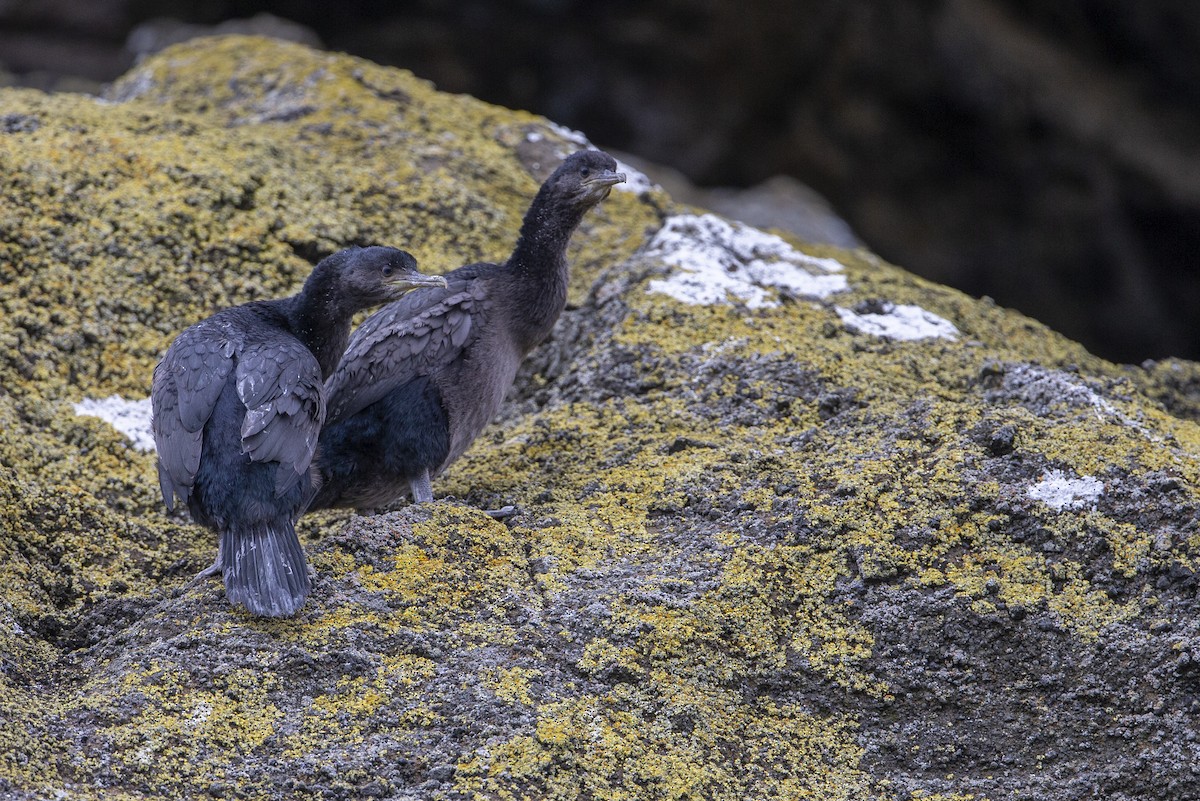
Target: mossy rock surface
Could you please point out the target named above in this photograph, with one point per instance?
(762, 552)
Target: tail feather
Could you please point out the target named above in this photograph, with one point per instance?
(265, 569)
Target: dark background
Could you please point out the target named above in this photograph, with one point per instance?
(1043, 153)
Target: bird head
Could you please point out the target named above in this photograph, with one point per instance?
(374, 275)
(586, 177)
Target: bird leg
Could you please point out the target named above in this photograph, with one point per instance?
(502, 512)
(215, 569)
(209, 571)
(422, 492)
(422, 488)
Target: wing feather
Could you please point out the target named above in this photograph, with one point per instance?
(184, 392)
(409, 338)
(279, 381)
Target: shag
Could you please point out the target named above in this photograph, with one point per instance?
(424, 375)
(238, 403)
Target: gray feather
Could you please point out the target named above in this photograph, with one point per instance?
(389, 349)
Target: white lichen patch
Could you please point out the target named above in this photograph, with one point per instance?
(717, 260)
(1051, 393)
(1059, 491)
(570, 134)
(636, 181)
(130, 417)
(898, 321)
(200, 715)
(1042, 390)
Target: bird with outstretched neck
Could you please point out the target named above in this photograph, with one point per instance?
(238, 402)
(424, 375)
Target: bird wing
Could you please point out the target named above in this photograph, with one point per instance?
(405, 339)
(187, 383)
(279, 381)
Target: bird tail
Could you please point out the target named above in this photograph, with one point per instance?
(265, 569)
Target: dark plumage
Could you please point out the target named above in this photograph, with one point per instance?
(424, 375)
(238, 402)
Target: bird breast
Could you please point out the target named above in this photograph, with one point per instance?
(474, 389)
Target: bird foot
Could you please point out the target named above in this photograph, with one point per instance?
(214, 569)
(208, 572)
(503, 512)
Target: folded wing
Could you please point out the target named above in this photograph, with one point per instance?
(187, 383)
(279, 381)
(406, 339)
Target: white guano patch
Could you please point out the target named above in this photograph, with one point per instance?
(898, 321)
(716, 259)
(130, 417)
(1059, 491)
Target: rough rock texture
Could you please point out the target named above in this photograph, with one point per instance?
(763, 551)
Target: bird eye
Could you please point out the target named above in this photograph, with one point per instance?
(584, 172)
(387, 270)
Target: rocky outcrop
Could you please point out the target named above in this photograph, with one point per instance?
(793, 522)
(1044, 155)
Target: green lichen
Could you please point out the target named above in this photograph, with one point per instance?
(676, 611)
(691, 746)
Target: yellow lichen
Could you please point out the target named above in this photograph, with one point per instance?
(511, 685)
(229, 166)
(681, 743)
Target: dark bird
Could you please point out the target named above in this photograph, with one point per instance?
(238, 402)
(424, 375)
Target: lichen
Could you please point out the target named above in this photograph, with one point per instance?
(676, 745)
(720, 508)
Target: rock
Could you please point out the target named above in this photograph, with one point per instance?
(155, 34)
(797, 539)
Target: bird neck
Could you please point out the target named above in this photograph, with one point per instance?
(318, 318)
(539, 264)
